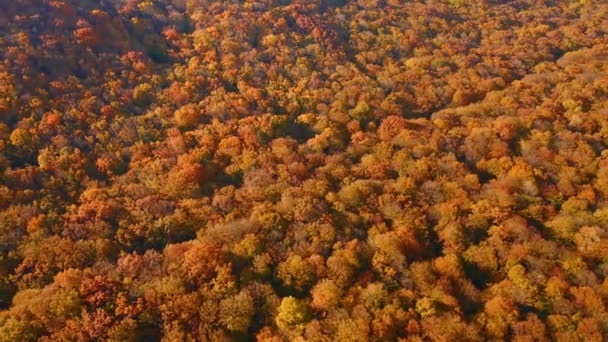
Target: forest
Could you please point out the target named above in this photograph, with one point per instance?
(307, 170)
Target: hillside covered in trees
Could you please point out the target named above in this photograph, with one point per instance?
(308, 170)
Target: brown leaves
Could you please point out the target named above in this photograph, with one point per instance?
(97, 291)
(201, 261)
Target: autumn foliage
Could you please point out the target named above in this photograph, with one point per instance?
(309, 170)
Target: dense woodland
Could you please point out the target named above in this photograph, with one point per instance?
(309, 170)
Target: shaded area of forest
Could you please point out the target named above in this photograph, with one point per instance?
(309, 170)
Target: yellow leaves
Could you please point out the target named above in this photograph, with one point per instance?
(13, 329)
(296, 273)
(486, 209)
(361, 111)
(564, 226)
(323, 140)
(23, 39)
(559, 322)
(574, 205)
(265, 215)
(517, 274)
(21, 137)
(354, 193)
(295, 205)
(456, 4)
(343, 263)
(413, 139)
(248, 247)
(237, 311)
(352, 330)
(471, 182)
(145, 5)
(292, 314)
(440, 123)
(230, 146)
(572, 105)
(573, 264)
(142, 94)
(307, 118)
(45, 159)
(426, 307)
(390, 246)
(374, 296)
(418, 62)
(344, 71)
(262, 265)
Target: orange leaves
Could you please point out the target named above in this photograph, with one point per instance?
(317, 33)
(186, 177)
(187, 116)
(391, 126)
(136, 60)
(97, 291)
(230, 146)
(201, 261)
(483, 143)
(104, 165)
(171, 34)
(64, 9)
(99, 15)
(108, 111)
(501, 312)
(53, 119)
(124, 308)
(326, 294)
(88, 37)
(177, 93)
(405, 169)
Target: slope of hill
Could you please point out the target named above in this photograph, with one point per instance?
(309, 170)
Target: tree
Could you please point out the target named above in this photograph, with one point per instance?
(295, 273)
(325, 294)
(187, 116)
(236, 312)
(291, 316)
